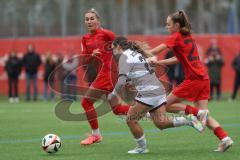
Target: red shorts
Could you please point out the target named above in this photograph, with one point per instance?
(193, 90)
(103, 82)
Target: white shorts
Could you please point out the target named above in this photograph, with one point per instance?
(153, 102)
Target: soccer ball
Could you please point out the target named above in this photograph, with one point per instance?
(51, 143)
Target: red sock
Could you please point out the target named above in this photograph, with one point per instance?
(90, 113)
(220, 133)
(120, 109)
(191, 110)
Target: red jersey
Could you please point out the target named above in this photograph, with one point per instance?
(102, 40)
(186, 51)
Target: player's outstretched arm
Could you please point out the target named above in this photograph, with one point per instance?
(117, 89)
(158, 49)
(169, 61)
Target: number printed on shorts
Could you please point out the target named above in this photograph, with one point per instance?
(190, 55)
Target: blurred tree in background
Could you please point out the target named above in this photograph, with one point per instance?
(23, 18)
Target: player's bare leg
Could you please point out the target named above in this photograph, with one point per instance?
(118, 106)
(87, 103)
(135, 113)
(162, 121)
(212, 124)
(174, 106)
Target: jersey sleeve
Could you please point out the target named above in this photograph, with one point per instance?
(171, 41)
(83, 47)
(111, 36)
(84, 59)
(124, 66)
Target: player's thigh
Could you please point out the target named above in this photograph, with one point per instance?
(202, 104)
(115, 100)
(137, 111)
(94, 94)
(159, 115)
(173, 104)
(171, 99)
(176, 107)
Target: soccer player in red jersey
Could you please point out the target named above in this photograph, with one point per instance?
(196, 86)
(94, 44)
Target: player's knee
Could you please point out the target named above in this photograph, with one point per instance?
(168, 108)
(161, 125)
(130, 121)
(86, 102)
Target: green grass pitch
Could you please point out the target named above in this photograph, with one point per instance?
(23, 125)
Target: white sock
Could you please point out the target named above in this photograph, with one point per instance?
(200, 111)
(181, 113)
(180, 121)
(148, 115)
(96, 132)
(142, 142)
(225, 139)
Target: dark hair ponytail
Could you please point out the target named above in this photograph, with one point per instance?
(125, 44)
(182, 18)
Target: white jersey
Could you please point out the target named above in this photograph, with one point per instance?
(135, 67)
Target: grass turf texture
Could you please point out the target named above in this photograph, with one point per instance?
(23, 126)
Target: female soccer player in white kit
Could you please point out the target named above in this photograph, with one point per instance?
(151, 96)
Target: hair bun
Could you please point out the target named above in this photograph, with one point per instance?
(93, 10)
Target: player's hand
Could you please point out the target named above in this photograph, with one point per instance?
(211, 58)
(130, 87)
(96, 52)
(153, 63)
(218, 57)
